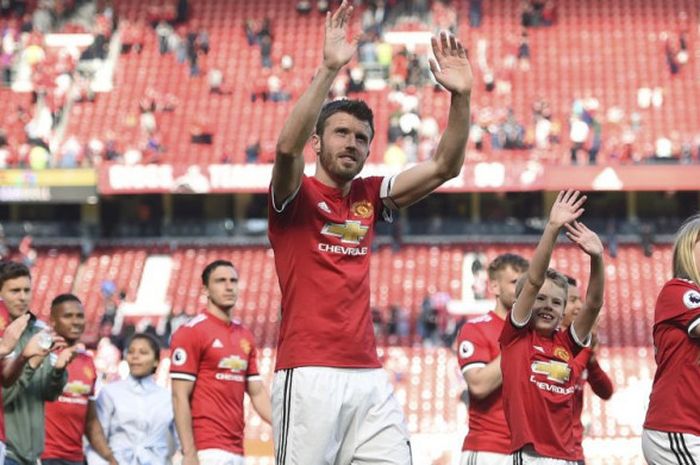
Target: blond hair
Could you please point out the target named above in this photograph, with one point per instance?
(684, 265)
(551, 274)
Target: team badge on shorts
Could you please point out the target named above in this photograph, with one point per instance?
(363, 209)
(89, 372)
(691, 299)
(179, 356)
(562, 354)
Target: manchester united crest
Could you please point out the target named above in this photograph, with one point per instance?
(561, 353)
(363, 209)
(245, 346)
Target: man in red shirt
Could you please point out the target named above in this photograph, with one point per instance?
(73, 413)
(537, 359)
(331, 400)
(590, 371)
(488, 439)
(213, 364)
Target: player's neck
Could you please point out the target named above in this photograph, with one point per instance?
(501, 311)
(324, 178)
(222, 314)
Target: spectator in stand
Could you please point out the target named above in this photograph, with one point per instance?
(252, 152)
(475, 13)
(163, 31)
(549, 13)
(524, 51)
(250, 34)
(303, 7)
(578, 134)
(216, 79)
(192, 55)
(203, 41)
(266, 51)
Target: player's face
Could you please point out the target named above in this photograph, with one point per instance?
(222, 289)
(140, 358)
(574, 304)
(17, 293)
(548, 308)
(69, 321)
(344, 146)
(503, 287)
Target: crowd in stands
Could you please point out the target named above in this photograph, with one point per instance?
(587, 134)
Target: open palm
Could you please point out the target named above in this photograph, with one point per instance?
(337, 49)
(451, 66)
(586, 239)
(567, 207)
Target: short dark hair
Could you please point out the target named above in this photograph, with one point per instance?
(506, 260)
(13, 270)
(356, 108)
(571, 281)
(63, 298)
(152, 342)
(209, 269)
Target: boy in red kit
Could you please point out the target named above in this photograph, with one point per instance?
(73, 413)
(488, 440)
(537, 359)
(591, 372)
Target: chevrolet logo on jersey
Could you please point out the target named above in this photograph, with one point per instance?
(558, 372)
(233, 363)
(352, 232)
(76, 388)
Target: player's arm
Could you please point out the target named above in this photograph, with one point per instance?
(452, 70)
(482, 381)
(182, 391)
(566, 208)
(12, 334)
(289, 160)
(22, 367)
(600, 382)
(96, 436)
(260, 399)
(590, 243)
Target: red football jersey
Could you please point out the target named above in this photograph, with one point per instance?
(65, 417)
(538, 388)
(220, 358)
(322, 243)
(477, 345)
(4, 321)
(675, 395)
(592, 374)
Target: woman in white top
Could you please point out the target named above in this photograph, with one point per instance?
(136, 414)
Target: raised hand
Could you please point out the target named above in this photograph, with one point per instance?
(67, 355)
(586, 239)
(451, 66)
(566, 208)
(337, 49)
(12, 334)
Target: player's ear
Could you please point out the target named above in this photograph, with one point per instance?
(316, 143)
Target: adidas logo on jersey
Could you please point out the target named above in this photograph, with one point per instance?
(324, 206)
(217, 344)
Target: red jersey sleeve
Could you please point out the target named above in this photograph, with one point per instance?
(600, 381)
(472, 348)
(512, 332)
(381, 189)
(252, 370)
(679, 304)
(186, 353)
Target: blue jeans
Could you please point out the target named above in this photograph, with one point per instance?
(58, 462)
